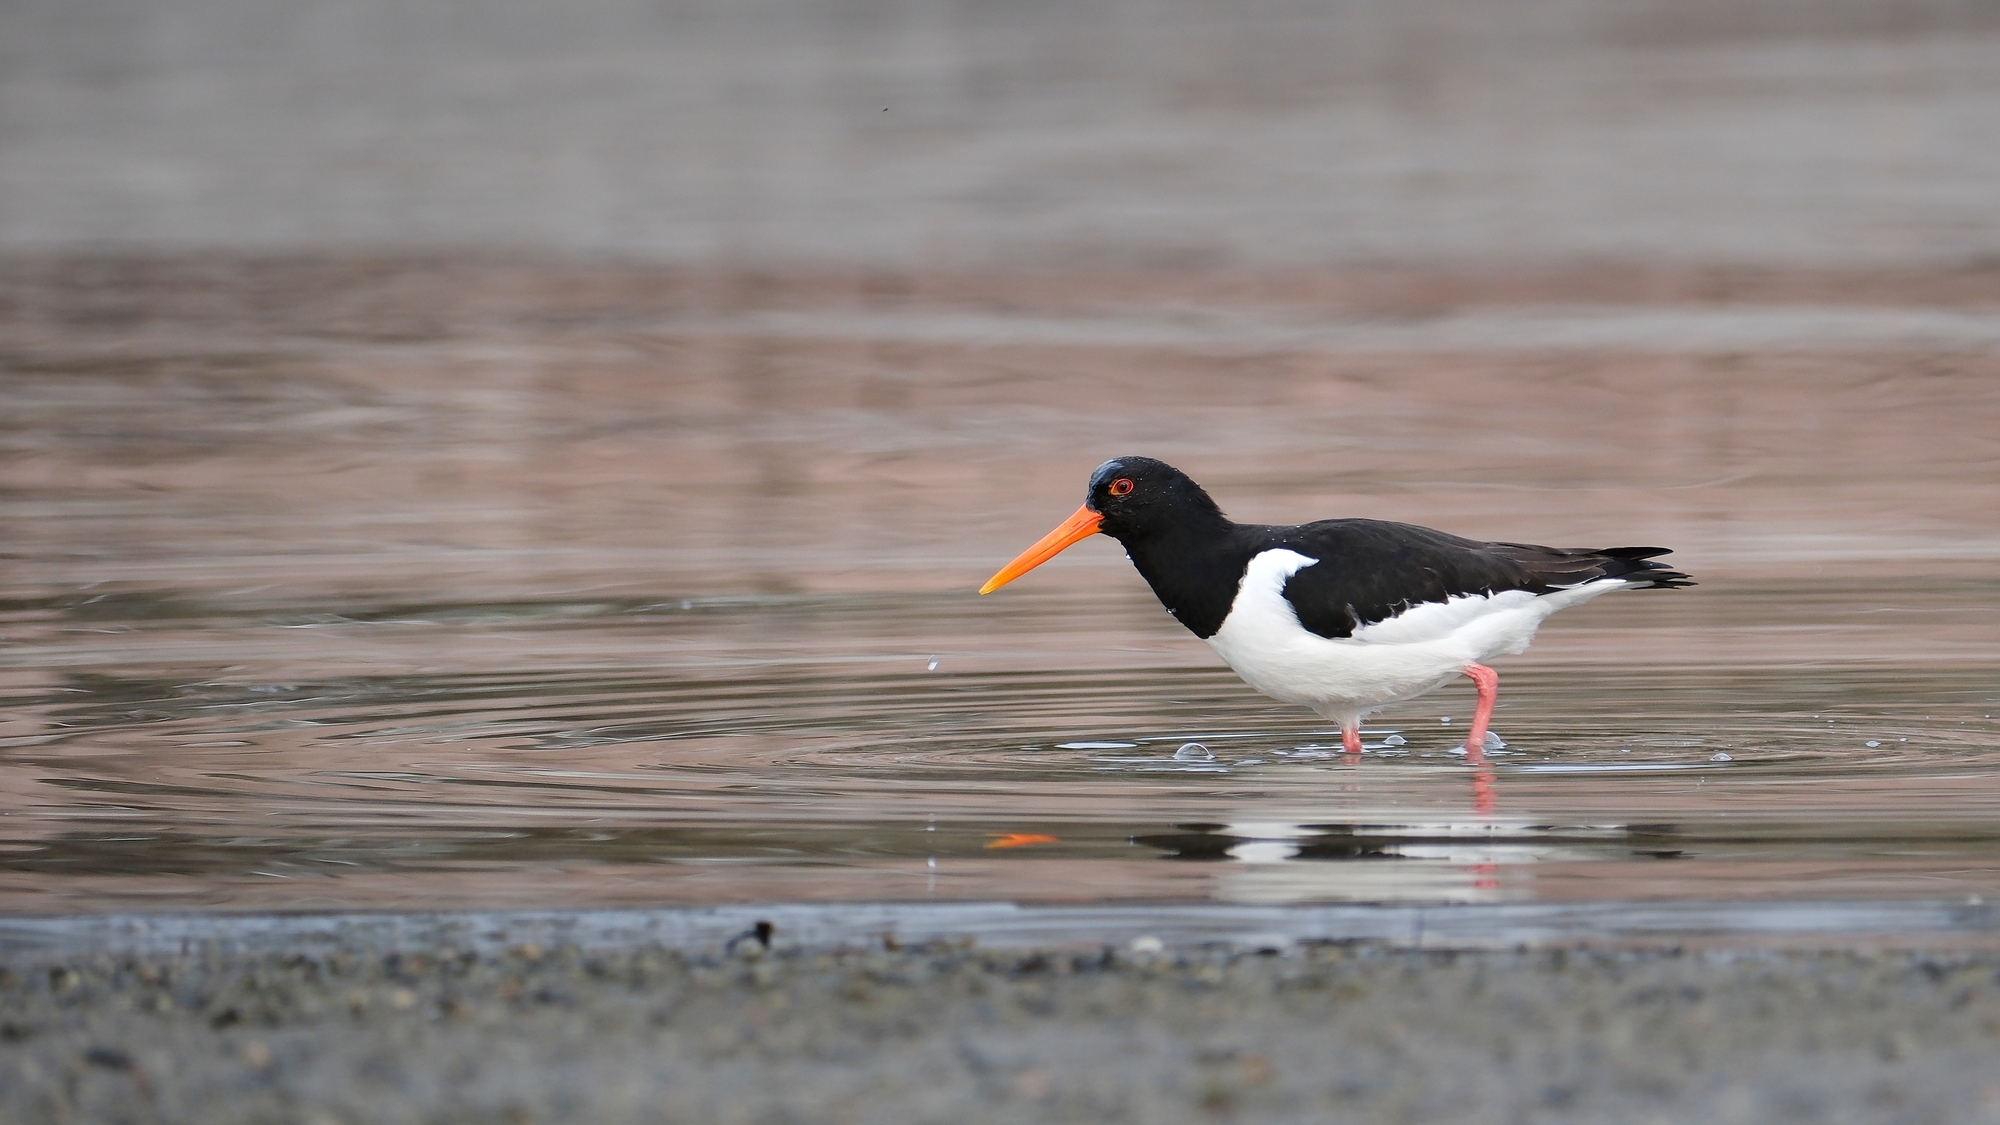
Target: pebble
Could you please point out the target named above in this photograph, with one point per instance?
(951, 1032)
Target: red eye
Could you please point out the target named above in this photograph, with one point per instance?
(1121, 486)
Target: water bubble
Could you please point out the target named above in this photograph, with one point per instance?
(1871, 744)
(1720, 756)
(1493, 742)
(1394, 740)
(1193, 752)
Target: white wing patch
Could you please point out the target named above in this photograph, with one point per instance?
(1431, 621)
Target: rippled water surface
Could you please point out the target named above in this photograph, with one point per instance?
(425, 602)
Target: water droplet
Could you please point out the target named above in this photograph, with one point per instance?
(1193, 752)
(1493, 742)
(1394, 740)
(1148, 945)
(933, 666)
(1720, 756)
(1444, 718)
(1456, 751)
(1249, 761)
(1872, 744)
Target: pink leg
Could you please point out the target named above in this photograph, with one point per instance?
(1350, 737)
(1488, 682)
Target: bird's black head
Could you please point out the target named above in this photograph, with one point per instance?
(1140, 498)
(1142, 503)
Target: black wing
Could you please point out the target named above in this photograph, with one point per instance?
(1371, 570)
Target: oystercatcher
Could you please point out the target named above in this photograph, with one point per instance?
(1343, 616)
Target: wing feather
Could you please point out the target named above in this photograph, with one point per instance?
(1372, 570)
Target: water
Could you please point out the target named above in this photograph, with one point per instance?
(432, 603)
(921, 131)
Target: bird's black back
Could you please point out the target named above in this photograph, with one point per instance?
(1366, 571)
(1371, 570)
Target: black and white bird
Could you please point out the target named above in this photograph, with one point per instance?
(1344, 616)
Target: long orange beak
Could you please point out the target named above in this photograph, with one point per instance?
(1082, 525)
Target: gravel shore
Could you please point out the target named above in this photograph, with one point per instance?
(952, 1033)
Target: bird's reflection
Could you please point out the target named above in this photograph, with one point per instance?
(1485, 797)
(1264, 842)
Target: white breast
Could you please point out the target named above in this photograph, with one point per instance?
(1402, 657)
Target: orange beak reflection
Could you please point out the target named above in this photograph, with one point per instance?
(1022, 840)
(1082, 525)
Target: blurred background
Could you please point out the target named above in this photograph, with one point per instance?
(956, 133)
(510, 451)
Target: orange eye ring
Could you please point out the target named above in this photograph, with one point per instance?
(1122, 486)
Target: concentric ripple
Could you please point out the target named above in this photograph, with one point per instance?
(798, 748)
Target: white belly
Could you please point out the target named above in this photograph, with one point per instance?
(1403, 657)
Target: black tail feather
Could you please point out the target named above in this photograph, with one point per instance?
(1554, 568)
(1633, 565)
